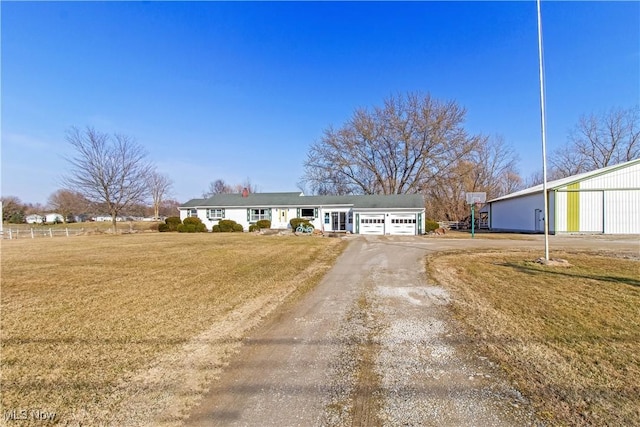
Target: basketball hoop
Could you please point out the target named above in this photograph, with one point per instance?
(475, 200)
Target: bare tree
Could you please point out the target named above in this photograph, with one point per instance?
(169, 207)
(219, 186)
(68, 202)
(13, 210)
(106, 169)
(598, 141)
(398, 148)
(159, 187)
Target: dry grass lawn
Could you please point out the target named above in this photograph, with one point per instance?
(569, 338)
(92, 324)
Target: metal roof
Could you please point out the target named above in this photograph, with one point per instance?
(377, 201)
(563, 182)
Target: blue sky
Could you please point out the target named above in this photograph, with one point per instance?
(240, 90)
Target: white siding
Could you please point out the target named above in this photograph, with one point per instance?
(517, 214)
(625, 178)
(591, 210)
(622, 212)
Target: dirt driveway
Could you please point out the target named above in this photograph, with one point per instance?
(372, 345)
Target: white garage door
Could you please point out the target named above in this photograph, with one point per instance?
(371, 224)
(402, 224)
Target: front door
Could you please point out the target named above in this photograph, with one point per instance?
(339, 221)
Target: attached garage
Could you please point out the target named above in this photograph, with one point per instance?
(371, 224)
(402, 224)
(604, 201)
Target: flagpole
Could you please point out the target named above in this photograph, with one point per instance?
(544, 139)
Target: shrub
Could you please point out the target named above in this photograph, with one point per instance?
(186, 228)
(192, 220)
(215, 228)
(263, 223)
(295, 222)
(172, 222)
(229, 225)
(163, 227)
(192, 225)
(430, 225)
(254, 227)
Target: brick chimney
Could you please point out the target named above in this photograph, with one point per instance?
(245, 192)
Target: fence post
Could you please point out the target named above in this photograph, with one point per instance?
(67, 230)
(10, 235)
(32, 232)
(50, 233)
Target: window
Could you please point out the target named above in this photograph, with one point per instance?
(215, 213)
(192, 213)
(307, 212)
(258, 214)
(326, 218)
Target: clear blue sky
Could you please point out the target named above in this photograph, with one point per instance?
(240, 90)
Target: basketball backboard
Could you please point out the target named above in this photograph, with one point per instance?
(474, 198)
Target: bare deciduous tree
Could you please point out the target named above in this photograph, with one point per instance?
(598, 141)
(398, 148)
(159, 187)
(490, 167)
(67, 202)
(219, 186)
(13, 210)
(106, 169)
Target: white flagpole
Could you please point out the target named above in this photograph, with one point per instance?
(544, 139)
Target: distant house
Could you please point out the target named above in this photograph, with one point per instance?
(603, 201)
(106, 218)
(53, 218)
(34, 219)
(367, 214)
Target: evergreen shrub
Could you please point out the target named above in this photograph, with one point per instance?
(264, 223)
(431, 225)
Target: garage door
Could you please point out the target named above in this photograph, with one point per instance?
(402, 224)
(371, 224)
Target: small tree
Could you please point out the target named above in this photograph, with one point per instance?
(159, 187)
(106, 169)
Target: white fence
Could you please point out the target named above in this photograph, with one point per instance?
(32, 233)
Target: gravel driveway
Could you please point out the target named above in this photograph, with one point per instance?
(372, 344)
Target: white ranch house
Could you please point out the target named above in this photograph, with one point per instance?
(367, 214)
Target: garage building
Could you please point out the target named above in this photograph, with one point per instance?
(605, 201)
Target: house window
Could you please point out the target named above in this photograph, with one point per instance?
(258, 214)
(326, 218)
(215, 213)
(192, 213)
(307, 212)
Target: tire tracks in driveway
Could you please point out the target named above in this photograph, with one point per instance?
(371, 345)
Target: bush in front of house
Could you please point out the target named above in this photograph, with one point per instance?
(295, 222)
(191, 225)
(430, 225)
(171, 223)
(264, 223)
(227, 226)
(254, 227)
